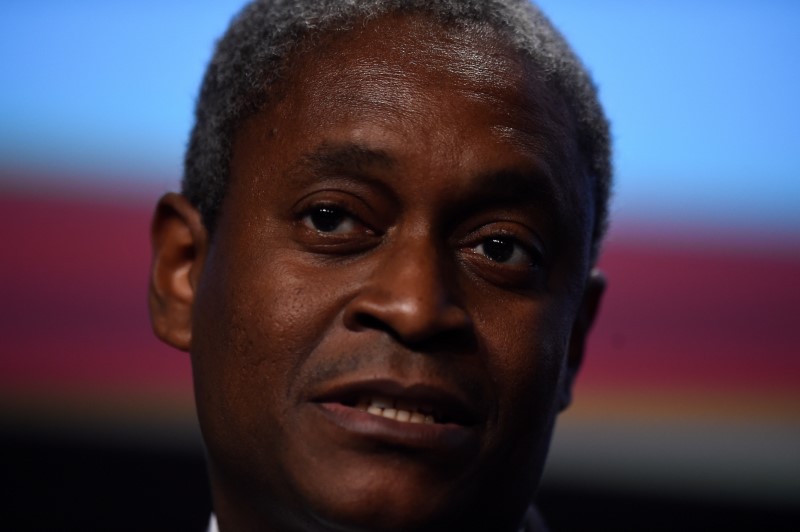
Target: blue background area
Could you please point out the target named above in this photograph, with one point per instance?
(702, 96)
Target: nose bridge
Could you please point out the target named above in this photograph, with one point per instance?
(409, 292)
(412, 275)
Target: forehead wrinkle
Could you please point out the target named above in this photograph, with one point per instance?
(486, 66)
(391, 92)
(472, 53)
(475, 61)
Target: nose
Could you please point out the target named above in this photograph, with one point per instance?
(409, 294)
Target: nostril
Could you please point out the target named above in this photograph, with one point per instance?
(365, 320)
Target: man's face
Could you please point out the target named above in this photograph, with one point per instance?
(381, 326)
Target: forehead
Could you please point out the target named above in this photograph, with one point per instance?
(398, 49)
(398, 61)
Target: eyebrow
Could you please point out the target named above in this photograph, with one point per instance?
(514, 184)
(344, 157)
(517, 186)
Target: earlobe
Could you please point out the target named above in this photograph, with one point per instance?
(592, 295)
(179, 242)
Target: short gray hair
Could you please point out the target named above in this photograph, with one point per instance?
(256, 51)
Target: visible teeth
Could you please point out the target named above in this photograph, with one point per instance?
(399, 411)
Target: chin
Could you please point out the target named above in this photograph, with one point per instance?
(401, 497)
(393, 496)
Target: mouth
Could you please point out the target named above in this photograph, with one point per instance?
(390, 412)
(418, 403)
(402, 410)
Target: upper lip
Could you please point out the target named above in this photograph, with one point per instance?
(452, 404)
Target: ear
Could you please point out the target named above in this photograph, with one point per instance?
(593, 293)
(179, 241)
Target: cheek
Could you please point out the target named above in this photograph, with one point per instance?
(526, 342)
(261, 320)
(265, 310)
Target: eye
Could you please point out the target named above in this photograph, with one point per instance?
(507, 255)
(504, 250)
(329, 219)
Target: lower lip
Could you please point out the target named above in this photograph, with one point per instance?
(444, 437)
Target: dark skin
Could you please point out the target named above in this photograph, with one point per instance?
(407, 224)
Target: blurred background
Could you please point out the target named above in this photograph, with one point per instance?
(687, 415)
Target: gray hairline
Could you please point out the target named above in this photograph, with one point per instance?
(251, 58)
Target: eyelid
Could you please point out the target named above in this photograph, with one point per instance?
(531, 243)
(349, 204)
(353, 198)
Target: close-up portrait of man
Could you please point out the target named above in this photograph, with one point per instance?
(400, 266)
(382, 261)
